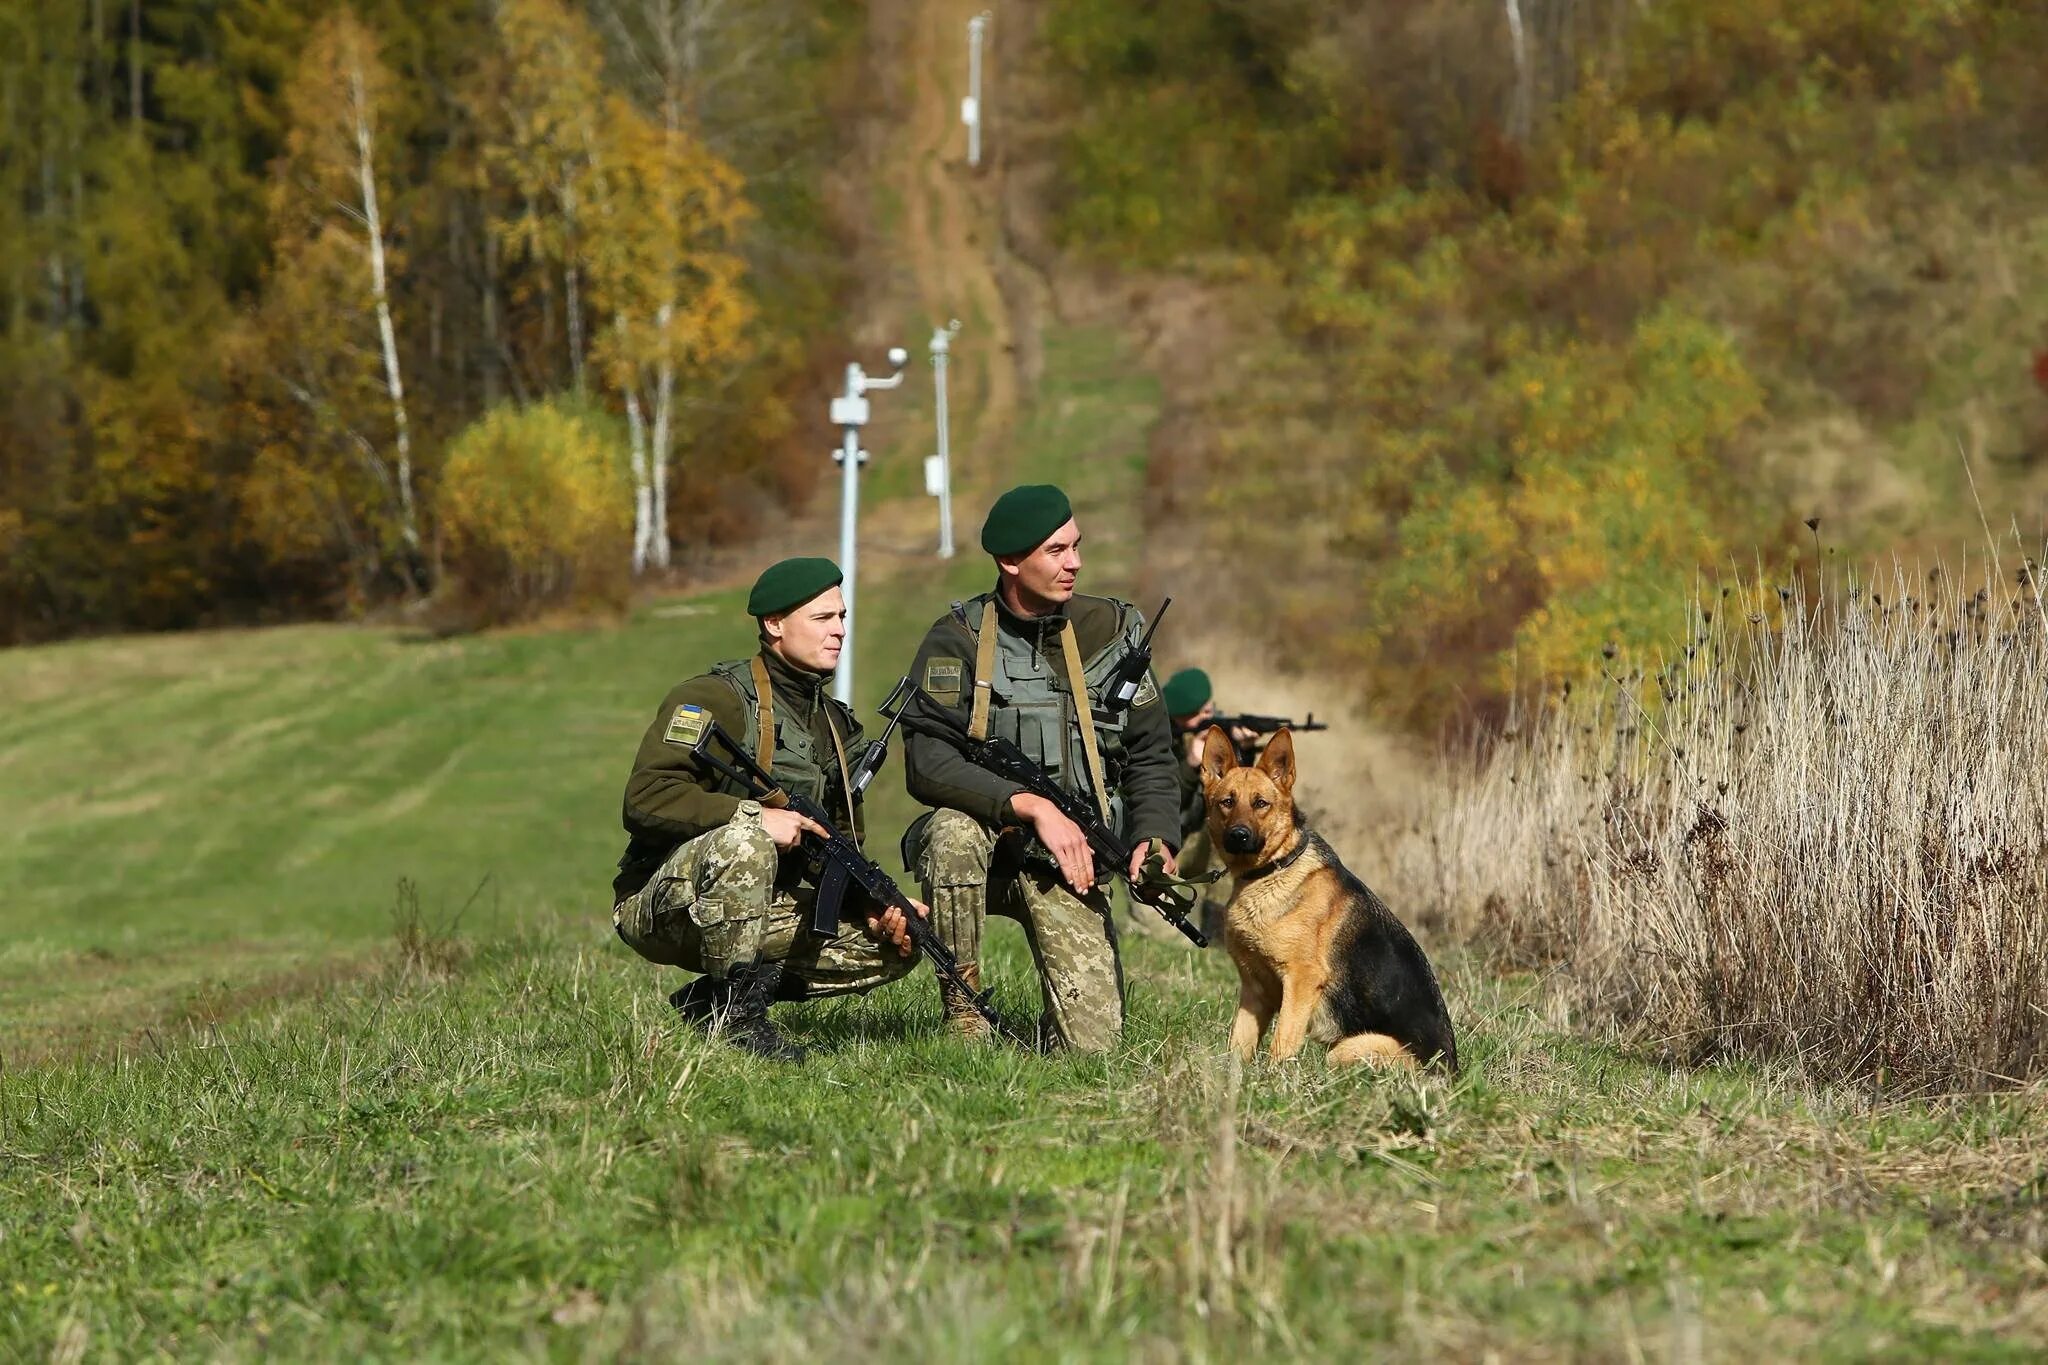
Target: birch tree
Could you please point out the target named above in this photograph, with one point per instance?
(1521, 107)
(550, 96)
(665, 270)
(327, 206)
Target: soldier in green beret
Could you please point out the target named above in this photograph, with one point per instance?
(1190, 703)
(714, 883)
(1028, 660)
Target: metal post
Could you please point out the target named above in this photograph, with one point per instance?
(850, 414)
(849, 527)
(942, 339)
(970, 108)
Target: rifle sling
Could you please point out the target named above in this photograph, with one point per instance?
(845, 779)
(1077, 680)
(984, 670)
(764, 753)
(764, 711)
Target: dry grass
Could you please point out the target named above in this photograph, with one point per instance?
(1820, 832)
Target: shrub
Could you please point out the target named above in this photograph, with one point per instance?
(1821, 832)
(536, 511)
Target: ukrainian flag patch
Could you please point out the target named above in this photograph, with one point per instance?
(686, 726)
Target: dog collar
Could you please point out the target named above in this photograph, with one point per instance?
(1285, 860)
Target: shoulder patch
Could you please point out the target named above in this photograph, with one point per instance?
(1148, 691)
(944, 677)
(686, 726)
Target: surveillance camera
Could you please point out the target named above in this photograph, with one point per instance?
(898, 356)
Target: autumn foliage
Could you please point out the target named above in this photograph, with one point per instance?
(534, 504)
(262, 263)
(1526, 334)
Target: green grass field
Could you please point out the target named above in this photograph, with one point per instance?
(244, 1114)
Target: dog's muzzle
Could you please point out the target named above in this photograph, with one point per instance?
(1240, 839)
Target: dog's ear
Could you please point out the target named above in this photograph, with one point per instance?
(1218, 755)
(1277, 762)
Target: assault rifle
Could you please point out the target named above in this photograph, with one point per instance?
(1172, 897)
(841, 864)
(1260, 725)
(1121, 689)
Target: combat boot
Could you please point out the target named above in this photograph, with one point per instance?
(751, 990)
(961, 1016)
(699, 1000)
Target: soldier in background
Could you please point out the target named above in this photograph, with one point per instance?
(714, 883)
(1190, 702)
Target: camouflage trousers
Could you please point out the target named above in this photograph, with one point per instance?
(715, 905)
(1072, 938)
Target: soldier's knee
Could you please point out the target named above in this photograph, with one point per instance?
(740, 852)
(956, 849)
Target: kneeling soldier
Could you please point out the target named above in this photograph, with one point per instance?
(1031, 658)
(716, 884)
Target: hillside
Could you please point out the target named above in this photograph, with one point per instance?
(1507, 351)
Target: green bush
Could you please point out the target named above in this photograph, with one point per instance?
(536, 512)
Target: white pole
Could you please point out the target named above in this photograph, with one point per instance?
(970, 108)
(849, 523)
(850, 414)
(942, 338)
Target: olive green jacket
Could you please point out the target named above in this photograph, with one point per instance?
(670, 802)
(1194, 810)
(936, 773)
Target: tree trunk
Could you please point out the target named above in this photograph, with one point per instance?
(664, 426)
(643, 489)
(373, 225)
(571, 285)
(135, 66)
(491, 362)
(1521, 109)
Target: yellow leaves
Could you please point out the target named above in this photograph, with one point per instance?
(334, 101)
(662, 258)
(546, 103)
(534, 505)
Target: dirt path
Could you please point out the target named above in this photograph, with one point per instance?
(952, 233)
(942, 257)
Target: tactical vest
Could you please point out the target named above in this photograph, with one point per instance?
(796, 765)
(1029, 704)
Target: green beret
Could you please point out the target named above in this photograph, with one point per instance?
(1023, 517)
(790, 584)
(1186, 692)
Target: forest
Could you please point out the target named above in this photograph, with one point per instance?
(281, 277)
(1544, 307)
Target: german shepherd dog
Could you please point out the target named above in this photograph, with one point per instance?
(1314, 946)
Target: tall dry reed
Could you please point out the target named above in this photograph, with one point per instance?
(1821, 831)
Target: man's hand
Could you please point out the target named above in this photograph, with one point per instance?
(1170, 864)
(787, 828)
(889, 926)
(1061, 837)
